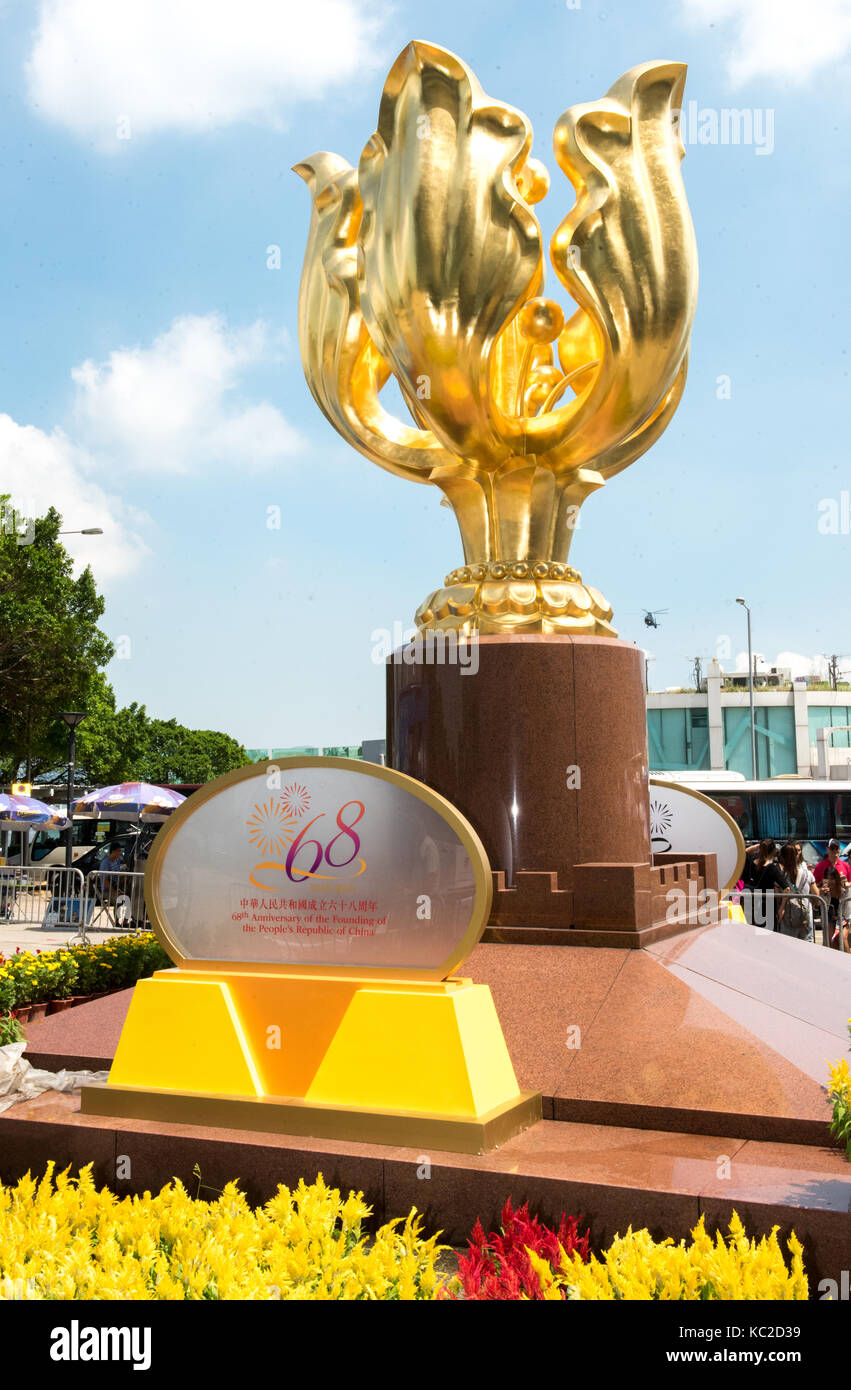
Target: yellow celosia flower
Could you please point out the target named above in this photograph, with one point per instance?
(637, 1267)
(64, 1239)
(73, 1241)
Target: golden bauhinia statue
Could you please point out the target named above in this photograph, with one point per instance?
(425, 263)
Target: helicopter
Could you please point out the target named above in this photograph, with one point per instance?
(650, 618)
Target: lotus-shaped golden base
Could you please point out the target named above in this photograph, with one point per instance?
(500, 597)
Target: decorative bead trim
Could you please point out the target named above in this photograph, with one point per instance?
(514, 569)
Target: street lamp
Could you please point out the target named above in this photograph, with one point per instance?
(72, 719)
(89, 531)
(750, 688)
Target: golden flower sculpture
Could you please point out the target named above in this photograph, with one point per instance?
(425, 263)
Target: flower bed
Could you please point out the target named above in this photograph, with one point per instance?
(32, 978)
(499, 1266)
(61, 1238)
(70, 1241)
(526, 1260)
(637, 1267)
(117, 963)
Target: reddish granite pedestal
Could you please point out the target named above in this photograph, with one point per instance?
(683, 1079)
(541, 742)
(726, 1030)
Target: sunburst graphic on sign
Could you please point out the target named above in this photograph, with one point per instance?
(271, 826)
(296, 799)
(661, 819)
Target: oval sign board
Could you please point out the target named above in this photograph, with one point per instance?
(319, 866)
(683, 820)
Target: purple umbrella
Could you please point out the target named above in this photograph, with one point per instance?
(17, 812)
(128, 801)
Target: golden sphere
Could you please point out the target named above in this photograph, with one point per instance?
(540, 321)
(543, 380)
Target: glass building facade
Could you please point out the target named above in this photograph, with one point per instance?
(682, 737)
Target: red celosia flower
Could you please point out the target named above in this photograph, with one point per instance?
(498, 1266)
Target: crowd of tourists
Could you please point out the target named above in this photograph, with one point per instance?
(777, 886)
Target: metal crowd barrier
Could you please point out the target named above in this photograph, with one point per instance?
(777, 899)
(50, 897)
(824, 923)
(43, 896)
(119, 900)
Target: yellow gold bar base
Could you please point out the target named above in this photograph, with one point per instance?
(373, 1046)
(277, 1115)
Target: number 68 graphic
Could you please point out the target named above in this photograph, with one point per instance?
(304, 844)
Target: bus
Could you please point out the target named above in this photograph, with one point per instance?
(807, 809)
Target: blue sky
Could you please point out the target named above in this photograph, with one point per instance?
(151, 381)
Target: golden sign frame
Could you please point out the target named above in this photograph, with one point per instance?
(482, 876)
(728, 887)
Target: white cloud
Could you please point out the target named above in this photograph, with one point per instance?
(175, 407)
(192, 65)
(777, 38)
(814, 667)
(48, 470)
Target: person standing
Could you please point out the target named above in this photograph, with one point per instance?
(109, 869)
(769, 883)
(837, 891)
(832, 861)
(749, 870)
(745, 885)
(796, 915)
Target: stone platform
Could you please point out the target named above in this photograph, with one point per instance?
(613, 1175)
(684, 1077)
(726, 1030)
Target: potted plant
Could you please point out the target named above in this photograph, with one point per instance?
(10, 1030)
(85, 960)
(64, 983)
(8, 994)
(22, 969)
(43, 976)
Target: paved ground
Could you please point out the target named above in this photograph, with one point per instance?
(24, 910)
(30, 937)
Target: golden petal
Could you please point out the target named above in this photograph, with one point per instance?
(523, 597)
(342, 365)
(460, 598)
(450, 250)
(626, 253)
(604, 609)
(492, 598)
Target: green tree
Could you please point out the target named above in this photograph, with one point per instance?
(125, 745)
(178, 754)
(112, 744)
(51, 658)
(51, 648)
